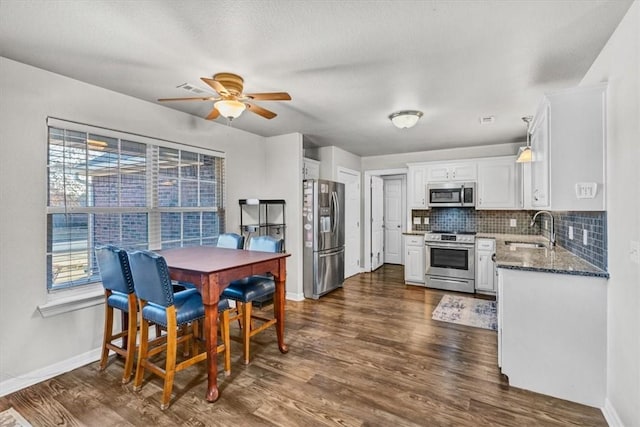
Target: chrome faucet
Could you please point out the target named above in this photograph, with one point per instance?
(552, 232)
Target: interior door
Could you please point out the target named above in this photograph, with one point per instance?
(393, 220)
(377, 222)
(351, 181)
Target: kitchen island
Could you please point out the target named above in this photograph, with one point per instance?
(551, 320)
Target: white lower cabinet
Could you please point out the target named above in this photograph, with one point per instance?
(414, 260)
(552, 334)
(485, 268)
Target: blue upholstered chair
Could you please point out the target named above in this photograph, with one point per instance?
(159, 305)
(119, 294)
(245, 291)
(230, 241)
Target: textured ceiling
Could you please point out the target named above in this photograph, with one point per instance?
(346, 64)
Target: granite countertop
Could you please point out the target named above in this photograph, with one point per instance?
(414, 233)
(557, 260)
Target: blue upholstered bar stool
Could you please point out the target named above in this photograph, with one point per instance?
(245, 291)
(159, 305)
(119, 294)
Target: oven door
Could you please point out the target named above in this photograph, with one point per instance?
(453, 260)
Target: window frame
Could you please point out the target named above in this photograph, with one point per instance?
(67, 292)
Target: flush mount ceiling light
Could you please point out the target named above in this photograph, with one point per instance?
(405, 119)
(524, 153)
(229, 108)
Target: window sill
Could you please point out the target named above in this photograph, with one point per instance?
(71, 300)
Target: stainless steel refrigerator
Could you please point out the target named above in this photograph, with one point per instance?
(323, 236)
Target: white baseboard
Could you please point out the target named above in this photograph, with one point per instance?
(295, 296)
(610, 414)
(42, 374)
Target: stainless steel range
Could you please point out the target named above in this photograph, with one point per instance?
(450, 260)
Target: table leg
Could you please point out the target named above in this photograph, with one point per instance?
(211, 334)
(278, 307)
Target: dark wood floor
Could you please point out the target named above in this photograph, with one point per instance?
(365, 355)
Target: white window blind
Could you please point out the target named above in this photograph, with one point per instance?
(132, 191)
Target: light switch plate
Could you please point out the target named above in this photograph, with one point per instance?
(570, 232)
(585, 240)
(416, 220)
(426, 220)
(513, 222)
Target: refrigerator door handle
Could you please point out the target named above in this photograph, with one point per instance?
(335, 210)
(332, 253)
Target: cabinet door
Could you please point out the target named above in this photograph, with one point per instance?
(416, 187)
(463, 172)
(414, 264)
(485, 268)
(438, 173)
(498, 182)
(310, 169)
(540, 160)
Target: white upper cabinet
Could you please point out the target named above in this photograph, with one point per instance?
(416, 187)
(499, 184)
(463, 171)
(568, 143)
(310, 169)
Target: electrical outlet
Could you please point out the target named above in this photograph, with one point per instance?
(585, 240)
(546, 224)
(425, 220)
(570, 232)
(513, 222)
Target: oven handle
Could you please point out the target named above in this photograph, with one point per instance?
(450, 245)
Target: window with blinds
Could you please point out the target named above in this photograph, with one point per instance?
(135, 192)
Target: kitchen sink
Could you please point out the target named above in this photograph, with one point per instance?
(529, 245)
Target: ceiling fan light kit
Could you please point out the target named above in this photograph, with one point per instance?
(231, 101)
(229, 108)
(405, 119)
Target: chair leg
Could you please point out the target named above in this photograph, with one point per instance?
(106, 337)
(224, 332)
(142, 354)
(172, 349)
(246, 330)
(132, 332)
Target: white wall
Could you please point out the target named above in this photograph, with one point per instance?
(283, 180)
(28, 95)
(331, 158)
(619, 64)
(392, 161)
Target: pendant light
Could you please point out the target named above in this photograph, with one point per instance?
(524, 153)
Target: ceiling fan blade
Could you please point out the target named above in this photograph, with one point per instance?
(260, 111)
(216, 85)
(214, 114)
(199, 98)
(274, 96)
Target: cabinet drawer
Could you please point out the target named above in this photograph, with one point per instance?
(415, 240)
(485, 244)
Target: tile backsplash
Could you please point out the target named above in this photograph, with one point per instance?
(483, 221)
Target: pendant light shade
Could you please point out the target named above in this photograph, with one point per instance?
(405, 119)
(525, 153)
(230, 109)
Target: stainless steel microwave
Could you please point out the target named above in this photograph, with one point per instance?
(452, 194)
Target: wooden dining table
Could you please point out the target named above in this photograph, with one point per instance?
(211, 270)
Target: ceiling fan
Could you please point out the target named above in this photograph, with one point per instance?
(231, 101)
